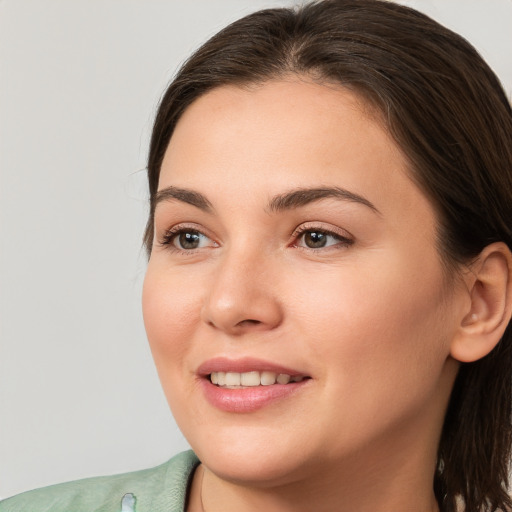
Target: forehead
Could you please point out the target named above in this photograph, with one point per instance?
(285, 117)
(303, 107)
(288, 132)
(278, 128)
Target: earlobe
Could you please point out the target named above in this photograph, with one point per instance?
(490, 289)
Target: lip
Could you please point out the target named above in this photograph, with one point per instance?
(252, 398)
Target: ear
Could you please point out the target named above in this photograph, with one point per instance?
(489, 284)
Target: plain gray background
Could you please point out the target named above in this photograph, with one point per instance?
(79, 84)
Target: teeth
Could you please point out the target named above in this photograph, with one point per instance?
(268, 378)
(232, 379)
(249, 379)
(282, 378)
(252, 379)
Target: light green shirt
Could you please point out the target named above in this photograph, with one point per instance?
(159, 489)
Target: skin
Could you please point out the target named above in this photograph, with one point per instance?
(372, 321)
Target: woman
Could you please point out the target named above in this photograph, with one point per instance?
(329, 284)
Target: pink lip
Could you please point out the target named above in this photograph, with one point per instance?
(248, 399)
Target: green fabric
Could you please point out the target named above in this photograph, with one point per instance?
(159, 489)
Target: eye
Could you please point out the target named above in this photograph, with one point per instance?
(186, 239)
(314, 238)
(189, 240)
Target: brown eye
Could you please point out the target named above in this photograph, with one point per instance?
(315, 239)
(319, 239)
(188, 240)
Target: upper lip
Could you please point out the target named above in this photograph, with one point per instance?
(246, 364)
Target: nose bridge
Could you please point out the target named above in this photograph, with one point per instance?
(242, 291)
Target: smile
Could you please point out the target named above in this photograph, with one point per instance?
(247, 385)
(235, 380)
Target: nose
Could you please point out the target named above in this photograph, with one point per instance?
(243, 296)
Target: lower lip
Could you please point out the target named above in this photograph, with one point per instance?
(248, 399)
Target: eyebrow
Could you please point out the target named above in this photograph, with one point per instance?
(304, 196)
(184, 195)
(287, 201)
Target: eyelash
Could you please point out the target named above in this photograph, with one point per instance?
(170, 236)
(342, 241)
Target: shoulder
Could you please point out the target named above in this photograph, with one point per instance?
(158, 489)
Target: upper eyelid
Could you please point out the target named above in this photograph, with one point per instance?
(320, 226)
(186, 226)
(308, 226)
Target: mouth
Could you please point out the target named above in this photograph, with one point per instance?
(248, 385)
(252, 379)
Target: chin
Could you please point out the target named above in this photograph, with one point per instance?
(253, 456)
(262, 470)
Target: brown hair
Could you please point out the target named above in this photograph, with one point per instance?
(447, 111)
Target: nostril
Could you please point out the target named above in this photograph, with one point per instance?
(248, 322)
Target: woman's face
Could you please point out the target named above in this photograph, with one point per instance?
(290, 244)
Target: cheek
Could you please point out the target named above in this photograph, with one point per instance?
(379, 344)
(170, 315)
(381, 330)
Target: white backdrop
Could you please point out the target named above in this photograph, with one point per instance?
(79, 83)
